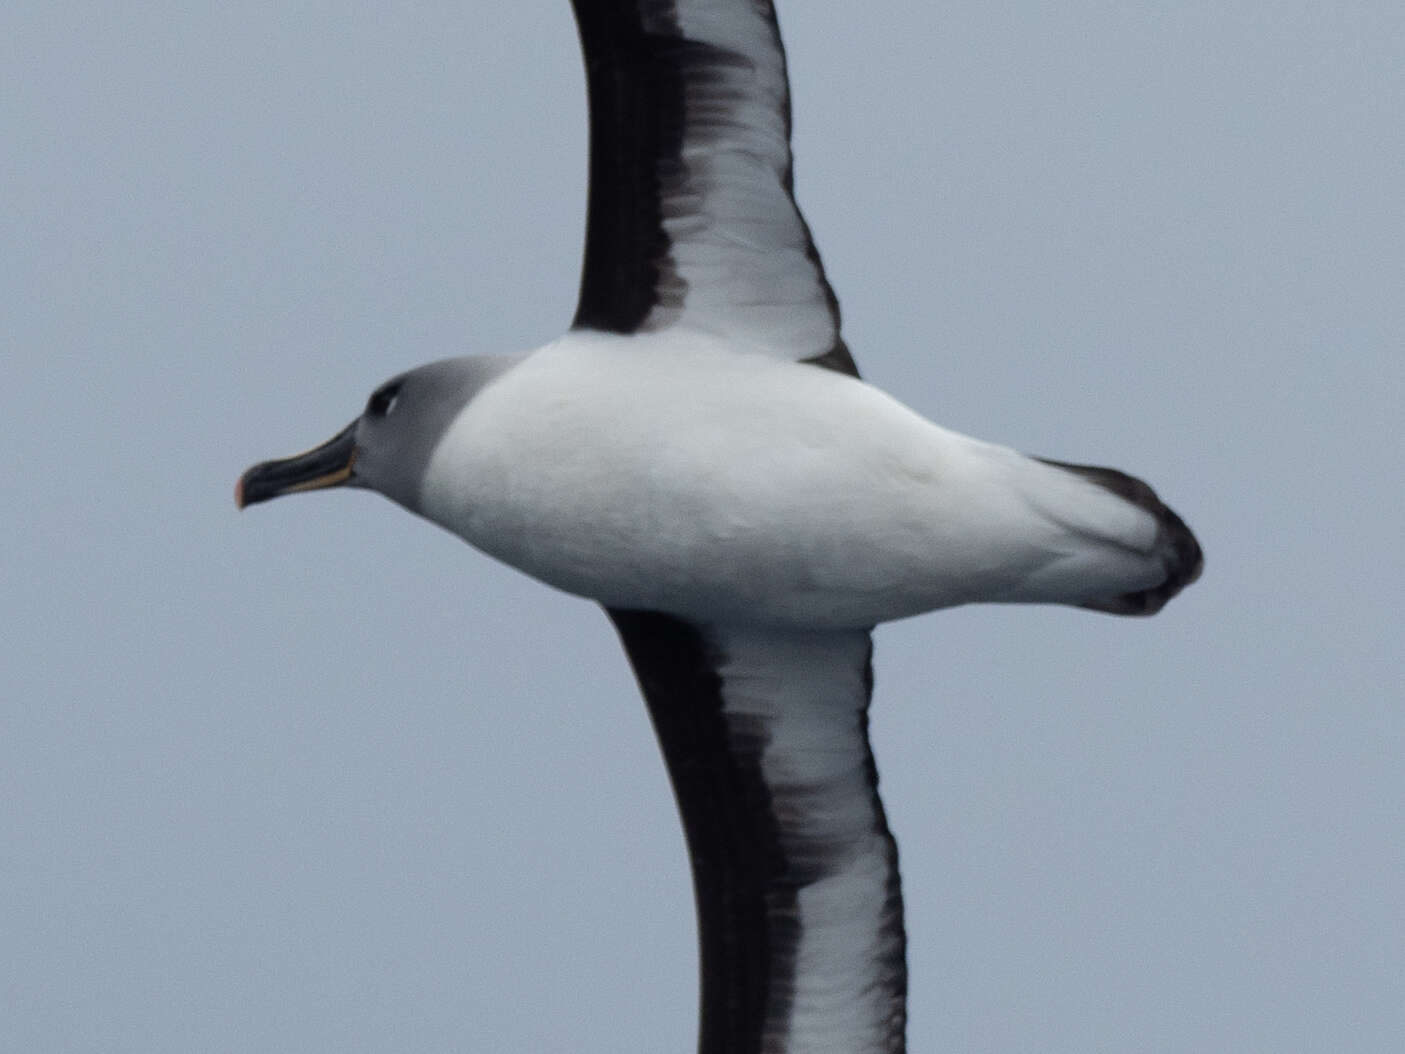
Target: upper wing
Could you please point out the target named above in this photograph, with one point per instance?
(765, 733)
(691, 219)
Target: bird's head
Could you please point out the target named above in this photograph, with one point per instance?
(387, 448)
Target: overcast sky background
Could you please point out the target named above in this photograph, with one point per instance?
(318, 777)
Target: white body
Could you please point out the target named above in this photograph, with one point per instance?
(701, 482)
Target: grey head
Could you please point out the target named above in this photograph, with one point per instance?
(388, 447)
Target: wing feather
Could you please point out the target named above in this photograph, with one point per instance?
(765, 734)
(691, 217)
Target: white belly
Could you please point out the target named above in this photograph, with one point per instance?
(732, 487)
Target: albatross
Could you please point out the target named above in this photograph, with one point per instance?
(699, 455)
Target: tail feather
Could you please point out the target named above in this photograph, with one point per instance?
(1180, 552)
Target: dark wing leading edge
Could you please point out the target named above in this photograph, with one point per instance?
(691, 220)
(765, 733)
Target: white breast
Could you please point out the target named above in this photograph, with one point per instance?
(711, 484)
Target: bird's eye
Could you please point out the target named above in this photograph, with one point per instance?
(383, 401)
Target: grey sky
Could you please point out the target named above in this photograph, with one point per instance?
(317, 777)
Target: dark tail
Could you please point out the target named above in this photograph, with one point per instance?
(1180, 552)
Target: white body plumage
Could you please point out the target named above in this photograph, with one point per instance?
(728, 486)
